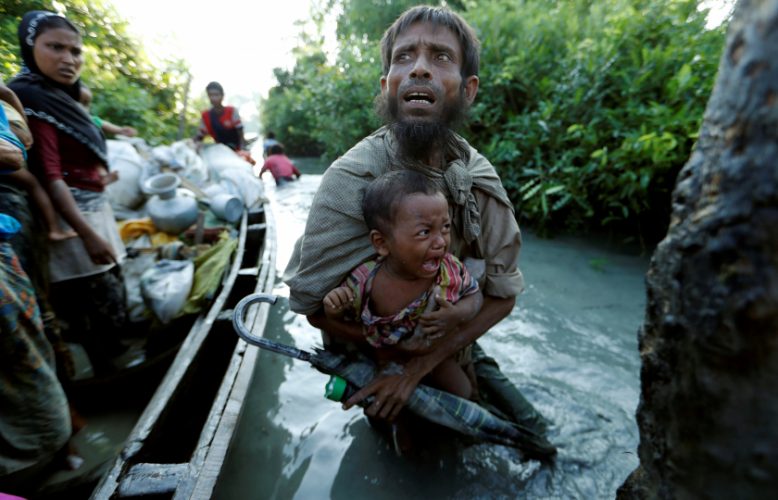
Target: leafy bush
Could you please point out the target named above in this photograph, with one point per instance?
(322, 109)
(588, 109)
(127, 88)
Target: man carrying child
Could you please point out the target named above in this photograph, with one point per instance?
(430, 78)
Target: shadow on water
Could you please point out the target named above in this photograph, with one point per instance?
(570, 345)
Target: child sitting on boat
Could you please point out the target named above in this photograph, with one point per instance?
(409, 223)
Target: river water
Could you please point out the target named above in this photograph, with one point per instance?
(570, 346)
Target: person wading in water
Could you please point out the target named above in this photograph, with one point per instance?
(430, 78)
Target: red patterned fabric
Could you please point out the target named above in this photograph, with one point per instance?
(453, 279)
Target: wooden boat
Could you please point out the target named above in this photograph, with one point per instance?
(178, 434)
(177, 447)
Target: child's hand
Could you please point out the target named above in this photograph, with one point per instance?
(128, 131)
(337, 301)
(60, 235)
(446, 319)
(109, 178)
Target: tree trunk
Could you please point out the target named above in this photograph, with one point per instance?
(708, 413)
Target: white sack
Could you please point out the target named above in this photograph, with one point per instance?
(125, 194)
(166, 286)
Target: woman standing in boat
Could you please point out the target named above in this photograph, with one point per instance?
(69, 157)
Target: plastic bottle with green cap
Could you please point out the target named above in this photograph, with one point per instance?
(338, 389)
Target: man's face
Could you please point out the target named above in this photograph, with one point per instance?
(424, 83)
(215, 97)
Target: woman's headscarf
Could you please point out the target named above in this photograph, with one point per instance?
(50, 101)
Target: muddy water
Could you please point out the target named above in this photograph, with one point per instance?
(570, 346)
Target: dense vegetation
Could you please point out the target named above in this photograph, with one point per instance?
(588, 109)
(127, 88)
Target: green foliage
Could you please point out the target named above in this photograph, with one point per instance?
(367, 19)
(588, 109)
(288, 110)
(344, 114)
(127, 88)
(323, 109)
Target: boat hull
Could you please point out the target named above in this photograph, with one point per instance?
(179, 443)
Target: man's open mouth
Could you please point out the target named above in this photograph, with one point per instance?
(417, 96)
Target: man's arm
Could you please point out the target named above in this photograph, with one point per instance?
(202, 131)
(265, 168)
(335, 240)
(391, 392)
(238, 124)
(347, 331)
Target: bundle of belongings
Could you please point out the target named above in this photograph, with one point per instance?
(177, 213)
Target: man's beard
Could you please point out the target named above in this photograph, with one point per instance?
(416, 138)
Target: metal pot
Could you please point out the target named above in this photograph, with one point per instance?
(169, 213)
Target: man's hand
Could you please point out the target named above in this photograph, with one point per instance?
(390, 391)
(344, 331)
(337, 301)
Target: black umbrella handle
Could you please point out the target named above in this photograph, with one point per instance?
(238, 323)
